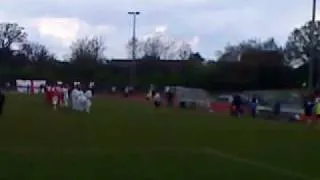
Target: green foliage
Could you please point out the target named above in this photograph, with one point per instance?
(303, 44)
(252, 64)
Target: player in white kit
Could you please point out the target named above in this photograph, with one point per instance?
(65, 91)
(81, 101)
(55, 97)
(74, 96)
(88, 95)
(157, 99)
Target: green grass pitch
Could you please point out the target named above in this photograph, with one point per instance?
(123, 140)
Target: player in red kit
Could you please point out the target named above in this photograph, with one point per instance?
(55, 97)
(48, 94)
(60, 94)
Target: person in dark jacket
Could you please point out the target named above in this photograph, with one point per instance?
(277, 108)
(126, 91)
(254, 104)
(308, 108)
(236, 105)
(170, 97)
(2, 101)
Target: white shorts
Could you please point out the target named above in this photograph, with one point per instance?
(55, 100)
(89, 103)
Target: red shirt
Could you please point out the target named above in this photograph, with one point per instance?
(48, 90)
(55, 91)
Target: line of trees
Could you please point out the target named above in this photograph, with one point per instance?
(251, 64)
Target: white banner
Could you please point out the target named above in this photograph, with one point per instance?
(23, 86)
(29, 86)
(283, 109)
(37, 86)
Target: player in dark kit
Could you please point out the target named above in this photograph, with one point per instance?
(308, 106)
(2, 101)
(236, 109)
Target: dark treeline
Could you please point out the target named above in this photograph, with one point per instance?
(251, 64)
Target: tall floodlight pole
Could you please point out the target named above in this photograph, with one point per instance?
(313, 59)
(134, 47)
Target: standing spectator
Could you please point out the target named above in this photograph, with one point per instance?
(157, 100)
(126, 91)
(42, 88)
(236, 106)
(92, 87)
(254, 104)
(113, 89)
(170, 96)
(28, 89)
(308, 106)
(317, 110)
(8, 86)
(277, 109)
(153, 92)
(166, 90)
(149, 96)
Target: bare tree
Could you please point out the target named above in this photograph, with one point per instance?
(139, 49)
(11, 33)
(169, 49)
(184, 51)
(36, 52)
(153, 47)
(88, 50)
(160, 47)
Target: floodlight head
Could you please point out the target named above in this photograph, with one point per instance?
(134, 12)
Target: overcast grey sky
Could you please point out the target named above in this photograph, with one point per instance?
(207, 24)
